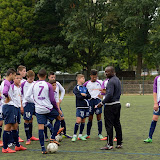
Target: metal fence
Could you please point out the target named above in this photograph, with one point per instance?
(127, 86)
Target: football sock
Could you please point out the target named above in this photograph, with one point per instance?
(26, 127)
(76, 128)
(99, 126)
(81, 128)
(152, 128)
(30, 129)
(6, 137)
(45, 132)
(56, 128)
(50, 126)
(89, 125)
(11, 140)
(0, 131)
(15, 137)
(41, 139)
(18, 131)
(63, 124)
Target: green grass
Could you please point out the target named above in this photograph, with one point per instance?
(135, 126)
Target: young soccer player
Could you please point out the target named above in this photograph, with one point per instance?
(156, 108)
(82, 106)
(17, 100)
(94, 87)
(45, 107)
(9, 114)
(1, 119)
(28, 107)
(59, 88)
(22, 70)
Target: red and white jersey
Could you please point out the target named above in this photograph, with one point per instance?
(93, 88)
(6, 92)
(43, 96)
(24, 88)
(16, 91)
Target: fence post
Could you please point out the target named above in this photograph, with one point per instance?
(143, 85)
(122, 85)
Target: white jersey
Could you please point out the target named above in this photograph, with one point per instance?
(23, 80)
(16, 91)
(59, 87)
(6, 91)
(93, 88)
(24, 88)
(0, 102)
(56, 97)
(43, 97)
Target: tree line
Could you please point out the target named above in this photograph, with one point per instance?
(79, 34)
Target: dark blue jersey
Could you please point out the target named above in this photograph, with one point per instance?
(81, 101)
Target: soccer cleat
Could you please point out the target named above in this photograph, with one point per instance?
(104, 139)
(74, 139)
(100, 136)
(46, 139)
(148, 140)
(115, 139)
(107, 147)
(34, 138)
(66, 136)
(28, 142)
(86, 136)
(1, 143)
(8, 150)
(82, 138)
(20, 140)
(54, 141)
(60, 130)
(119, 146)
(20, 148)
(44, 152)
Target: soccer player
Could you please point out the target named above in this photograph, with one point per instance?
(156, 109)
(45, 107)
(28, 107)
(82, 106)
(59, 88)
(9, 114)
(17, 100)
(94, 87)
(112, 109)
(1, 119)
(22, 70)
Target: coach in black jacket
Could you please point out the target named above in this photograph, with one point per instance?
(112, 109)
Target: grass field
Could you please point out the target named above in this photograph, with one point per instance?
(135, 126)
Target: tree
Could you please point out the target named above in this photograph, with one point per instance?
(87, 27)
(16, 20)
(136, 18)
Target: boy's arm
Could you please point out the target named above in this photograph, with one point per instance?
(88, 96)
(62, 91)
(78, 93)
(155, 107)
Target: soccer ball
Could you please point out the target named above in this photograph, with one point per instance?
(52, 148)
(127, 105)
(58, 138)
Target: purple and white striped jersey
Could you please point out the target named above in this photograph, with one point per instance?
(156, 88)
(24, 88)
(93, 88)
(43, 96)
(16, 91)
(5, 87)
